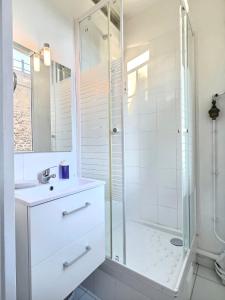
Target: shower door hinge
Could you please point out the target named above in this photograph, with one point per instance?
(184, 130)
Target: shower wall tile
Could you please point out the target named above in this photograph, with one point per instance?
(149, 175)
(133, 158)
(168, 198)
(148, 122)
(148, 212)
(167, 217)
(132, 120)
(167, 150)
(167, 120)
(167, 178)
(148, 194)
(152, 120)
(132, 203)
(132, 142)
(166, 101)
(147, 104)
(148, 158)
(147, 140)
(132, 174)
(179, 210)
(18, 166)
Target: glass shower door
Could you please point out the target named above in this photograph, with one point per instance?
(188, 131)
(101, 132)
(117, 132)
(94, 105)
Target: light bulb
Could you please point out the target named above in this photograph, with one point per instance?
(47, 54)
(37, 62)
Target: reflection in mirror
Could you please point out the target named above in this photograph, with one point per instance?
(42, 104)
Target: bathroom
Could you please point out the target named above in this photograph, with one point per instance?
(112, 149)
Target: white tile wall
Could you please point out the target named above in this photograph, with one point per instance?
(210, 80)
(152, 143)
(28, 165)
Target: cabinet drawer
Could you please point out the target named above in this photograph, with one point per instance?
(56, 224)
(59, 275)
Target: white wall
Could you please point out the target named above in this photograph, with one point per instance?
(34, 23)
(208, 20)
(152, 117)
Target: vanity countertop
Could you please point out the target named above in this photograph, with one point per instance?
(54, 190)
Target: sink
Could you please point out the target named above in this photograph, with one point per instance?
(57, 189)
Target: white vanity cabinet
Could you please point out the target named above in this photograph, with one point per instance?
(59, 243)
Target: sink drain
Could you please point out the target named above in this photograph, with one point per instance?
(177, 242)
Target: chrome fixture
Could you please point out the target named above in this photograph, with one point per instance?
(68, 264)
(115, 131)
(67, 213)
(45, 176)
(214, 114)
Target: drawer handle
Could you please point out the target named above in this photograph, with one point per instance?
(68, 264)
(67, 213)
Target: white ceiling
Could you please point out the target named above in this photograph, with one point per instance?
(132, 7)
(75, 8)
(72, 8)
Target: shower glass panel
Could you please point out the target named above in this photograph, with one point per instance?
(153, 143)
(188, 130)
(101, 132)
(192, 129)
(141, 140)
(117, 129)
(94, 105)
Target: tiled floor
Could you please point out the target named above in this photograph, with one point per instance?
(208, 286)
(83, 294)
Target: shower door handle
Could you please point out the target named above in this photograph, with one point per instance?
(115, 131)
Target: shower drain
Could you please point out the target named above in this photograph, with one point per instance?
(177, 242)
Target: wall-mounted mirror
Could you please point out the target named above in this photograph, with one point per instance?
(42, 104)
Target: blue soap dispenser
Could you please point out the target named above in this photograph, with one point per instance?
(64, 170)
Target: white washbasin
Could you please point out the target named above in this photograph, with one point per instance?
(56, 189)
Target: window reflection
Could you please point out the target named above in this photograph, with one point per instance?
(138, 61)
(132, 83)
(138, 74)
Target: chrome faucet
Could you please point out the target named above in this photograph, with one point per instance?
(45, 176)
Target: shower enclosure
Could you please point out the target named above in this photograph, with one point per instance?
(136, 108)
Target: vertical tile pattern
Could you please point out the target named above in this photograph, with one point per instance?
(61, 116)
(152, 116)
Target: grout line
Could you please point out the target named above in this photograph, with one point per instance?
(214, 281)
(80, 298)
(196, 274)
(94, 297)
(217, 279)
